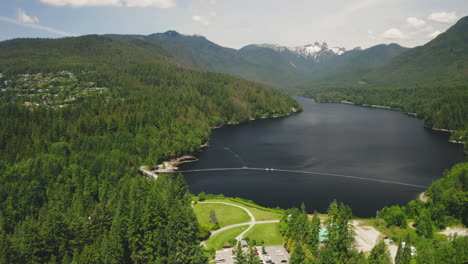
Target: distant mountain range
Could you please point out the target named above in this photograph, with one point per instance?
(442, 60)
(311, 51)
(284, 67)
(279, 66)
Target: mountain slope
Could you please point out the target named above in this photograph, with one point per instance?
(19, 54)
(305, 65)
(444, 58)
(431, 81)
(276, 65)
(70, 188)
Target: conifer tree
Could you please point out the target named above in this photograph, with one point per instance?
(380, 254)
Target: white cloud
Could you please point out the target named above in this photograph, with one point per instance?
(393, 34)
(80, 3)
(427, 29)
(415, 22)
(118, 3)
(201, 19)
(443, 17)
(434, 34)
(26, 20)
(371, 35)
(22, 17)
(150, 3)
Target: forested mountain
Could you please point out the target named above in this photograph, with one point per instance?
(307, 67)
(22, 55)
(431, 80)
(275, 65)
(79, 116)
(444, 59)
(283, 68)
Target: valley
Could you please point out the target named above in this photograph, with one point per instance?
(169, 148)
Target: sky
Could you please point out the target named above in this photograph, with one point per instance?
(236, 23)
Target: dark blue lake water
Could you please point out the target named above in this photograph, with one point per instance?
(331, 138)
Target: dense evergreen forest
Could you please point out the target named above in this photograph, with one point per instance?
(80, 115)
(70, 190)
(447, 205)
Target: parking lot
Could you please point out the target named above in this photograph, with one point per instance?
(275, 254)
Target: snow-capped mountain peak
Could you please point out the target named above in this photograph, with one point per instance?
(309, 51)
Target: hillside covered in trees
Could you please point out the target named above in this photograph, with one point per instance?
(70, 190)
(431, 81)
(80, 115)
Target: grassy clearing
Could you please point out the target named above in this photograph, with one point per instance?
(217, 241)
(259, 214)
(226, 214)
(268, 233)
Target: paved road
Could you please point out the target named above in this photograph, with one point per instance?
(242, 224)
(251, 223)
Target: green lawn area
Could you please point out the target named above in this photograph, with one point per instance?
(269, 233)
(260, 215)
(226, 214)
(217, 241)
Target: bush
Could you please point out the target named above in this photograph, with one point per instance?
(394, 216)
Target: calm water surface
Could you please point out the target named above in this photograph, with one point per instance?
(330, 138)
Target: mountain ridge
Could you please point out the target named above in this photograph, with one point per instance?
(282, 68)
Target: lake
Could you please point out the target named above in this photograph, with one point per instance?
(328, 138)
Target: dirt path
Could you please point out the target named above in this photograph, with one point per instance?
(250, 224)
(242, 224)
(460, 231)
(252, 218)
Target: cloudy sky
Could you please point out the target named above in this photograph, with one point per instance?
(235, 23)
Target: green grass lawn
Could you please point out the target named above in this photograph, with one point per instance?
(269, 233)
(260, 215)
(217, 241)
(226, 214)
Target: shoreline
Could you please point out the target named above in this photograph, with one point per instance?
(400, 110)
(423, 197)
(170, 166)
(293, 111)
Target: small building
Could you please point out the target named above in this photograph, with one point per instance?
(323, 235)
(244, 243)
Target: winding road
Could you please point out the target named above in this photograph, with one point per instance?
(250, 224)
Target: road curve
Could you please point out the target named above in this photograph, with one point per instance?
(252, 217)
(214, 232)
(251, 223)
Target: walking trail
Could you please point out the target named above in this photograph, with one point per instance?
(250, 224)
